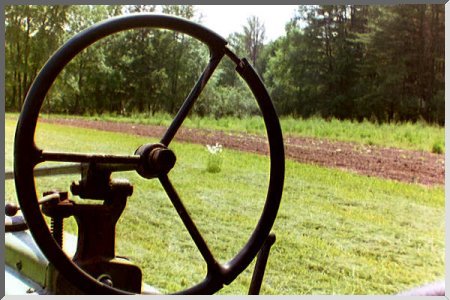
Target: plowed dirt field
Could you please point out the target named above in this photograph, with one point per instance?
(397, 164)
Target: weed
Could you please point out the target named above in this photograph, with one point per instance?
(214, 161)
(438, 148)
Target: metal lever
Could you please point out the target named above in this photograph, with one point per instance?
(17, 223)
(11, 209)
(260, 266)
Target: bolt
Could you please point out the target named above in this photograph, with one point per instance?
(75, 188)
(105, 279)
(19, 265)
(57, 227)
(11, 209)
(163, 159)
(56, 222)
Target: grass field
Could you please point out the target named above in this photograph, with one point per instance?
(337, 232)
(414, 136)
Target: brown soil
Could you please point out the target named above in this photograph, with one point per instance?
(397, 164)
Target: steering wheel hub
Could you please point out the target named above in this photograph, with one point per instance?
(156, 159)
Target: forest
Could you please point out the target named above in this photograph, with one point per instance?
(349, 62)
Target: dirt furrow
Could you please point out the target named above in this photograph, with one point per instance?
(397, 164)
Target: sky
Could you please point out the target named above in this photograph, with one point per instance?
(226, 19)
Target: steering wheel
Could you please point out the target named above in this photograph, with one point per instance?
(27, 155)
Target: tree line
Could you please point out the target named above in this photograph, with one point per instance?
(381, 63)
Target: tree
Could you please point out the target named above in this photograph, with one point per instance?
(405, 52)
(184, 60)
(313, 71)
(384, 63)
(226, 73)
(254, 35)
(32, 33)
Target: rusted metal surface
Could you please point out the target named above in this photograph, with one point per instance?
(260, 266)
(96, 234)
(15, 223)
(155, 159)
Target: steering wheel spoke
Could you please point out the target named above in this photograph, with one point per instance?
(184, 110)
(211, 262)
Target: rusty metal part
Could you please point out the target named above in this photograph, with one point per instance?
(56, 222)
(15, 223)
(57, 229)
(156, 159)
(11, 209)
(108, 161)
(94, 183)
(96, 233)
(260, 266)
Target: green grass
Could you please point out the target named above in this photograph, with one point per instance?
(414, 136)
(337, 232)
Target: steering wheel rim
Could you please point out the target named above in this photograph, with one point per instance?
(27, 155)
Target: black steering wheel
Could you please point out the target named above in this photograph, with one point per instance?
(27, 155)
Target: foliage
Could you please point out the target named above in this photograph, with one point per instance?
(214, 162)
(405, 54)
(31, 33)
(438, 148)
(226, 101)
(253, 40)
(383, 63)
(356, 62)
(126, 72)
